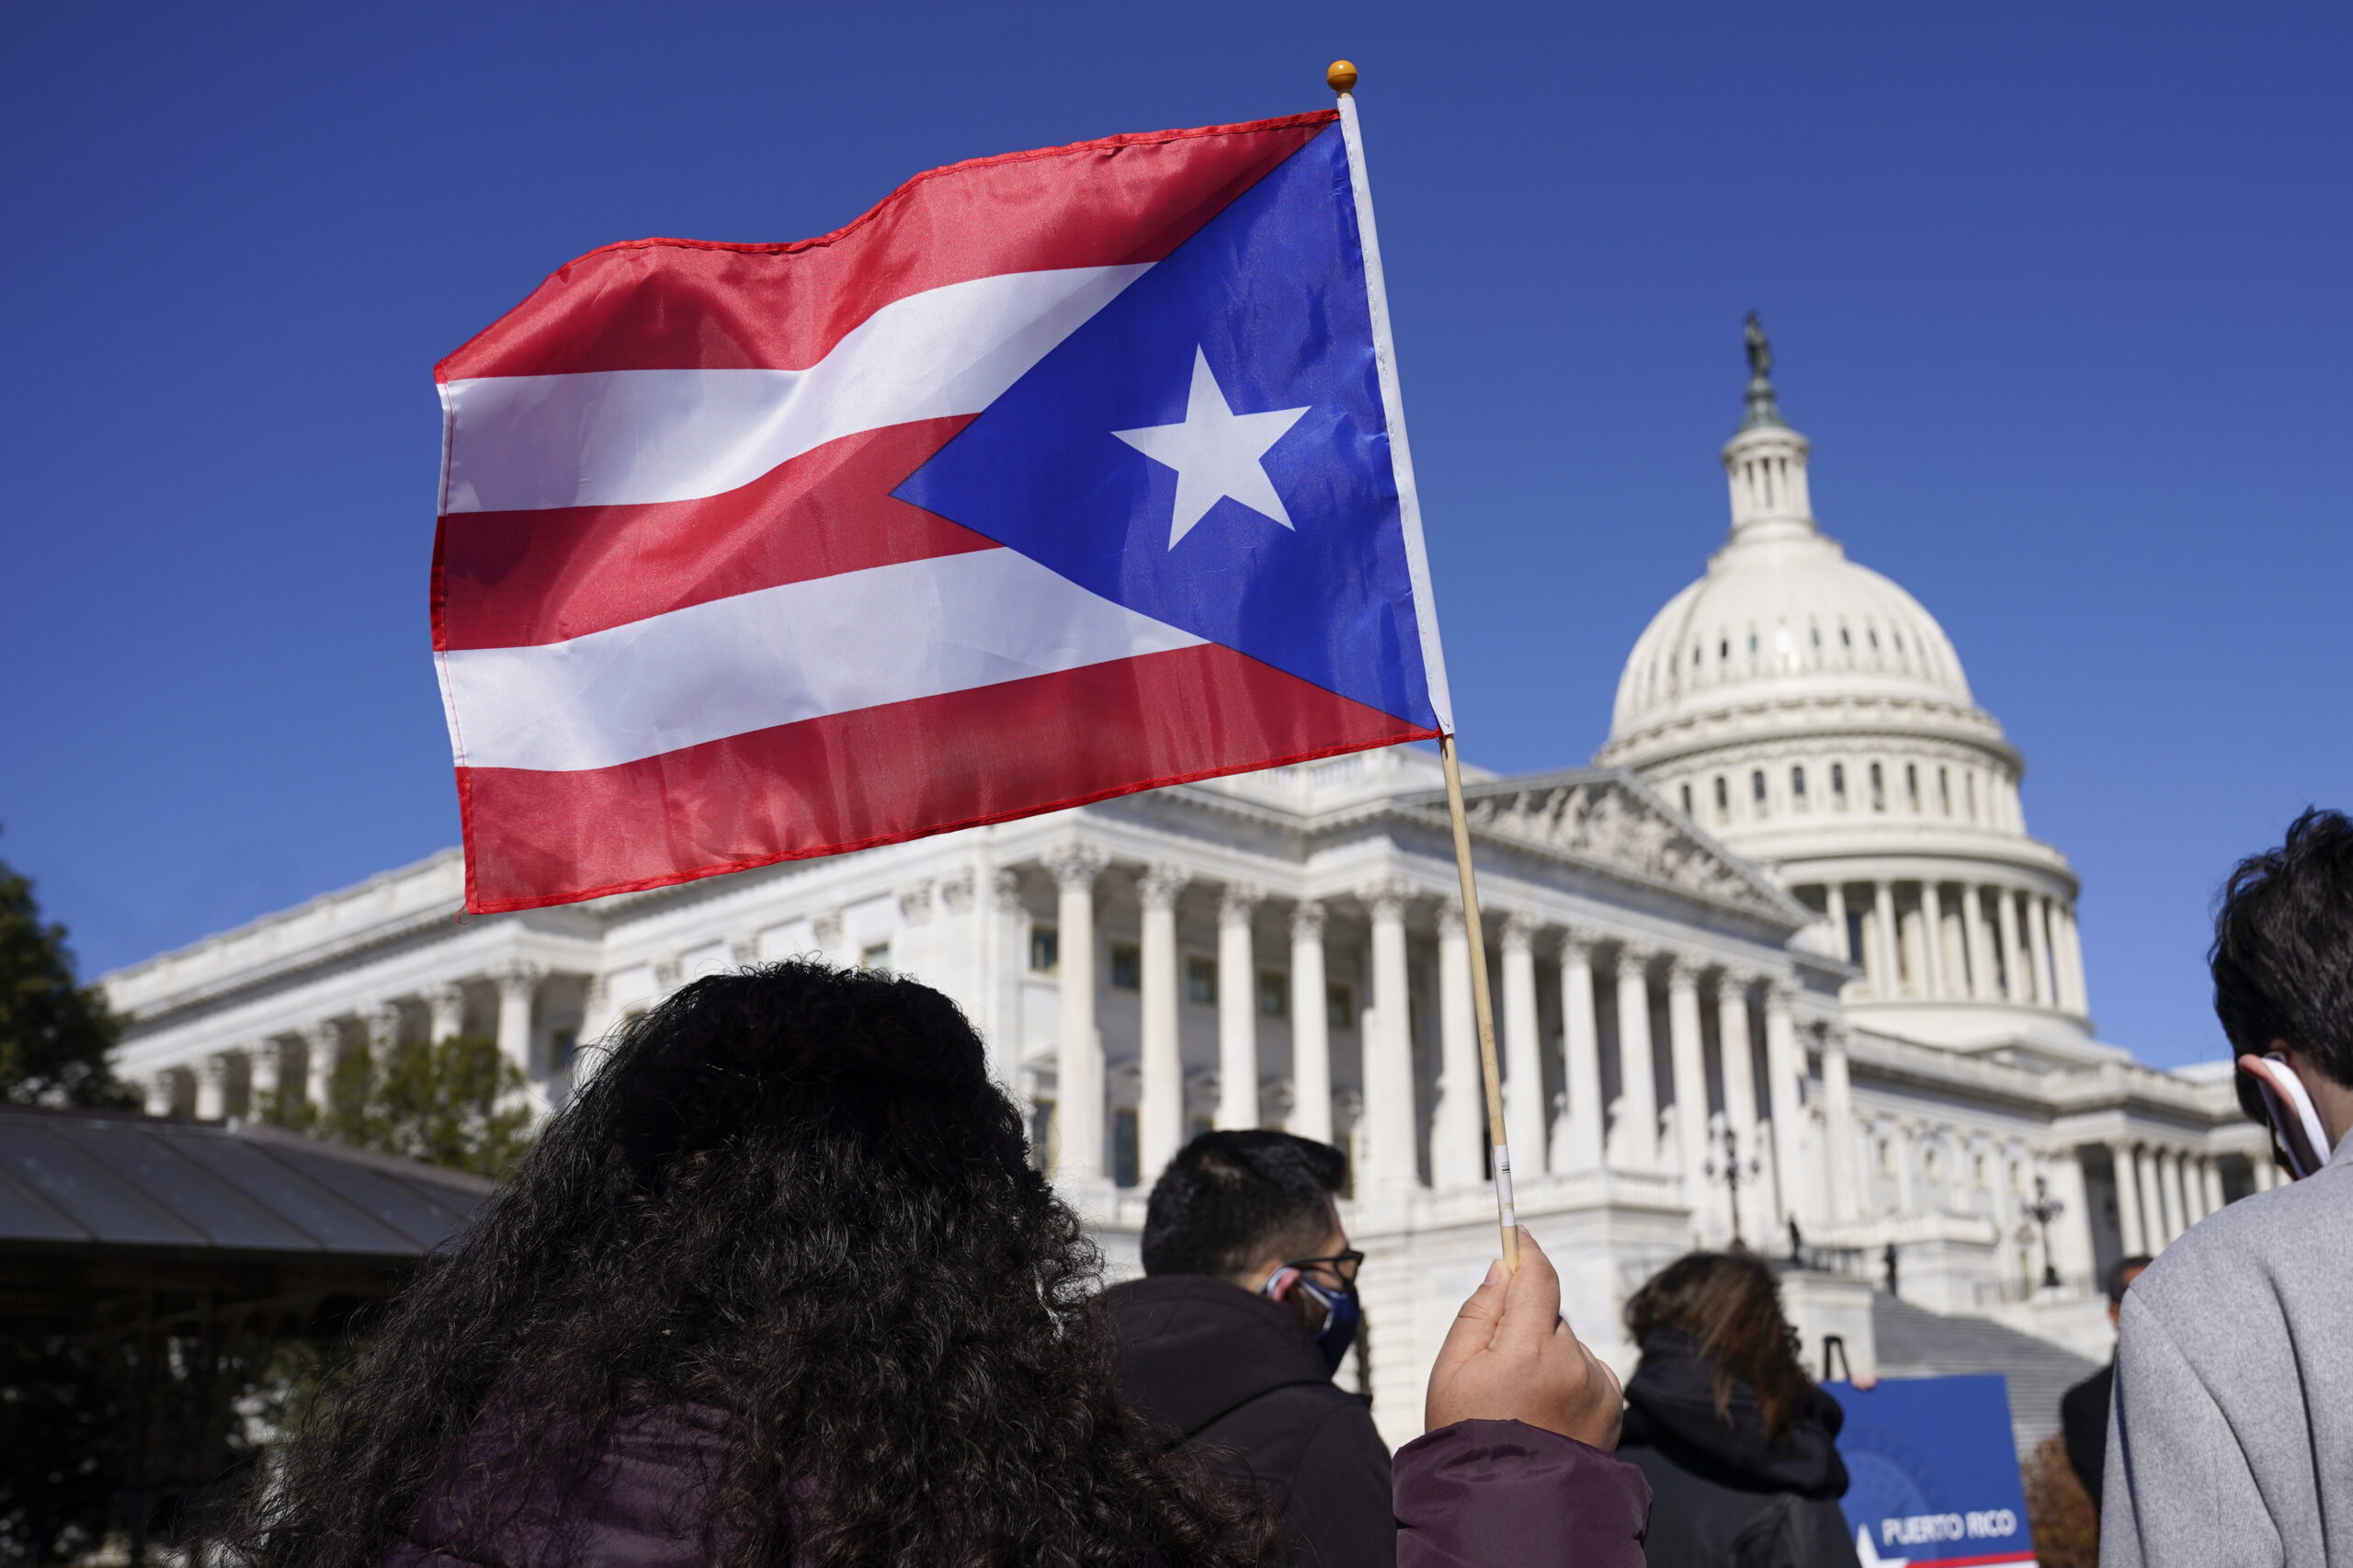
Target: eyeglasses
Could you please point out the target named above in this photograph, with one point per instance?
(1343, 1265)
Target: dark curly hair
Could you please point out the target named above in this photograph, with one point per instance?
(1729, 1305)
(2282, 957)
(791, 1197)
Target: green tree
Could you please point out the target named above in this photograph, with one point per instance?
(457, 1103)
(54, 1034)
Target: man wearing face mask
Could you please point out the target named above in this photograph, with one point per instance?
(2231, 1436)
(1247, 1306)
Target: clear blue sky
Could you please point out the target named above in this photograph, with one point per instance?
(2060, 292)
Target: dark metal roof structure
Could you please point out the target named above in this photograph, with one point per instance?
(117, 1184)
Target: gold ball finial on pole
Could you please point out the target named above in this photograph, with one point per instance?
(1341, 76)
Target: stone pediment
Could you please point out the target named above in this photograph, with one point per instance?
(1608, 819)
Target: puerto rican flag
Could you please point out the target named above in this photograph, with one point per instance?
(1056, 476)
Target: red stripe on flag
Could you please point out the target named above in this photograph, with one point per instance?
(881, 775)
(687, 304)
(518, 579)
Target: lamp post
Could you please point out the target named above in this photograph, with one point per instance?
(1732, 1170)
(2043, 1211)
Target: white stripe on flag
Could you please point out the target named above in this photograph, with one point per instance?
(617, 438)
(780, 655)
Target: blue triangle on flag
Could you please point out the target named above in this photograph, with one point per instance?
(1268, 296)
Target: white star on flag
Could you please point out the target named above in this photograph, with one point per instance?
(1216, 454)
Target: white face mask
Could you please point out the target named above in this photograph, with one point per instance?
(2294, 1123)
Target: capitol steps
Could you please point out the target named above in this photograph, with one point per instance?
(1916, 1342)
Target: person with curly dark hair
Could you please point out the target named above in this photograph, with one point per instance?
(779, 1287)
(2231, 1436)
(1738, 1443)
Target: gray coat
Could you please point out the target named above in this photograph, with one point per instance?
(2230, 1442)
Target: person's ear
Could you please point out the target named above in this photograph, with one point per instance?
(1282, 1284)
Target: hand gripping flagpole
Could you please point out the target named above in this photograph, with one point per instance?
(1342, 78)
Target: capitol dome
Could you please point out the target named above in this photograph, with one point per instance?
(1784, 618)
(1812, 716)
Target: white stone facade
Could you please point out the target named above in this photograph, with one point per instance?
(1788, 955)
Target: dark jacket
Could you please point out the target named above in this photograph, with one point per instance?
(2083, 1417)
(642, 1504)
(1240, 1374)
(1476, 1494)
(1500, 1495)
(1725, 1493)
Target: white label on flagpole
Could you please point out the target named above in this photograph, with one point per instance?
(1384, 353)
(1503, 1187)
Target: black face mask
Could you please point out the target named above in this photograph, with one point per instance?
(1342, 1313)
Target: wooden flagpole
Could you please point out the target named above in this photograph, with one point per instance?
(1482, 1003)
(1341, 77)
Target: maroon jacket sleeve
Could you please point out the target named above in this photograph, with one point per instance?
(1501, 1494)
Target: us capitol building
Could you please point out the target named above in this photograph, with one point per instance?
(1783, 964)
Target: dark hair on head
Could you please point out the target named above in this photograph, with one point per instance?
(1729, 1305)
(794, 1198)
(1229, 1199)
(2117, 1280)
(2283, 949)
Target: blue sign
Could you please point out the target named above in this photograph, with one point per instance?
(1933, 1474)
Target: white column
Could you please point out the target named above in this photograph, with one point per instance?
(162, 1089)
(2072, 942)
(1784, 1068)
(598, 1018)
(2213, 1171)
(1932, 938)
(323, 1050)
(1523, 1053)
(445, 1006)
(2005, 911)
(1739, 1093)
(518, 986)
(2070, 1232)
(2193, 1188)
(2170, 1194)
(1160, 1111)
(383, 1025)
(1008, 938)
(2038, 937)
(2128, 1199)
(1457, 1127)
(1909, 948)
(1078, 1054)
(962, 943)
(212, 1087)
(1838, 1125)
(1578, 1136)
(1891, 957)
(1634, 1139)
(2153, 1203)
(1387, 1118)
(1972, 937)
(1310, 1037)
(266, 1077)
(1237, 1009)
(1834, 897)
(1688, 1058)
